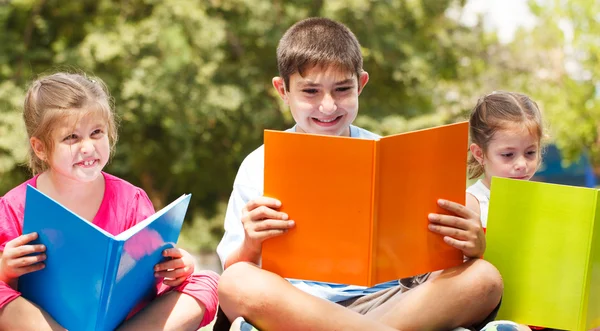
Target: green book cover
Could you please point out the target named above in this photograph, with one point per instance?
(544, 240)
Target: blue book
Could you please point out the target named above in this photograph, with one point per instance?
(93, 279)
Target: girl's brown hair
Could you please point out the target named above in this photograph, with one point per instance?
(497, 111)
(53, 98)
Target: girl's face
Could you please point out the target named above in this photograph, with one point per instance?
(81, 148)
(512, 153)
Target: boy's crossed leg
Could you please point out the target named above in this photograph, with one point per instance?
(460, 296)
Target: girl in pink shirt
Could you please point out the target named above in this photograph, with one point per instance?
(72, 133)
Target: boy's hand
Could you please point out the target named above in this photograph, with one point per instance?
(462, 230)
(16, 261)
(176, 270)
(262, 221)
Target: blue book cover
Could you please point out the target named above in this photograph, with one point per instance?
(93, 279)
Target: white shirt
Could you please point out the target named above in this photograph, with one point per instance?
(482, 194)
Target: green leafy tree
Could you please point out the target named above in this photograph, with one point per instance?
(191, 79)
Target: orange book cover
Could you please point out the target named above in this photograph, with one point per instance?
(361, 206)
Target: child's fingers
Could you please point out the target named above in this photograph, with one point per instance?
(26, 261)
(174, 282)
(171, 264)
(271, 224)
(448, 231)
(263, 235)
(264, 212)
(26, 250)
(173, 252)
(175, 273)
(21, 240)
(30, 268)
(455, 208)
(262, 201)
(449, 221)
(458, 244)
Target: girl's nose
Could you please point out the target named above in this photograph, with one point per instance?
(87, 146)
(521, 164)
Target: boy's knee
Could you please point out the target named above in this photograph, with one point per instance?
(232, 278)
(240, 286)
(486, 281)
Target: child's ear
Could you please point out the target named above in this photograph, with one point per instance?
(38, 148)
(279, 85)
(477, 153)
(363, 79)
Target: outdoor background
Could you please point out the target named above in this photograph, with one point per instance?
(191, 79)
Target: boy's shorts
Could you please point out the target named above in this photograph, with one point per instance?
(367, 303)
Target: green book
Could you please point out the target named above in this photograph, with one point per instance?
(544, 240)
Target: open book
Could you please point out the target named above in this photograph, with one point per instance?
(545, 241)
(361, 206)
(93, 279)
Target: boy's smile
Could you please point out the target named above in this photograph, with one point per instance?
(326, 122)
(323, 101)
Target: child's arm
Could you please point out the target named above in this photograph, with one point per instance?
(261, 221)
(472, 203)
(462, 229)
(15, 260)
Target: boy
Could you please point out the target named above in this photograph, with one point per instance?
(321, 77)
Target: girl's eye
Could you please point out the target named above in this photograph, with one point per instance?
(343, 89)
(97, 132)
(310, 91)
(507, 154)
(531, 152)
(70, 137)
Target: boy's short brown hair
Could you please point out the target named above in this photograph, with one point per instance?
(317, 42)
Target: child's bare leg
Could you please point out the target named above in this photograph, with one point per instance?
(21, 314)
(171, 311)
(270, 302)
(460, 296)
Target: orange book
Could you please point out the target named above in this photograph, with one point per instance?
(361, 206)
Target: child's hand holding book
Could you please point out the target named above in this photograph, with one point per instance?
(176, 270)
(462, 230)
(16, 260)
(262, 220)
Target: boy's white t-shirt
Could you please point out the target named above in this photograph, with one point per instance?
(482, 194)
(249, 185)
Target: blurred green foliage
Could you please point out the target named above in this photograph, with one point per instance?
(191, 79)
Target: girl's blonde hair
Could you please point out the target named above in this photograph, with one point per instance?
(498, 111)
(52, 99)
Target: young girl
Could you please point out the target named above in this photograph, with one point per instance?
(506, 130)
(72, 132)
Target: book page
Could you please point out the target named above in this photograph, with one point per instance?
(415, 170)
(136, 228)
(325, 186)
(539, 237)
(142, 249)
(70, 285)
(592, 289)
